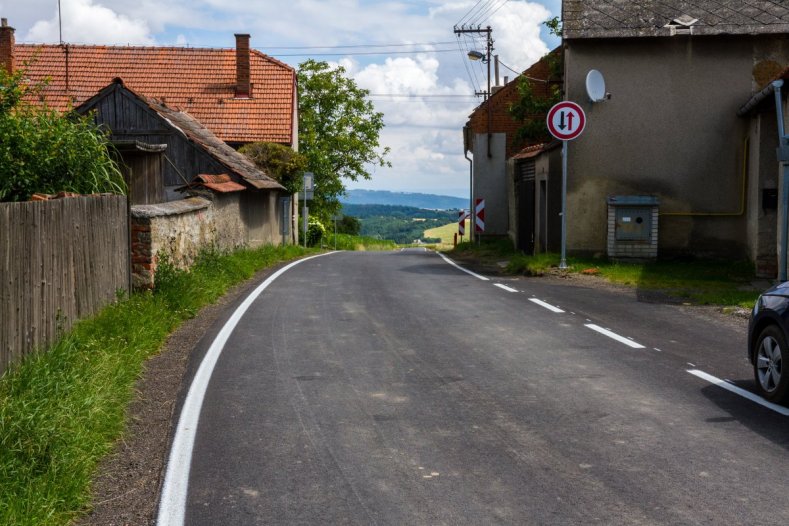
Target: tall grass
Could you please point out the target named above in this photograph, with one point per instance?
(348, 242)
(62, 410)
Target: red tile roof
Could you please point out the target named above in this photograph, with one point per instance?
(198, 80)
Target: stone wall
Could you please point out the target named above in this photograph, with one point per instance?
(182, 229)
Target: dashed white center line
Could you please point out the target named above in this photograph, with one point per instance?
(614, 336)
(505, 287)
(483, 278)
(739, 391)
(546, 305)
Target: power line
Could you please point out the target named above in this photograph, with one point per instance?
(497, 9)
(360, 45)
(452, 95)
(469, 12)
(489, 11)
(354, 53)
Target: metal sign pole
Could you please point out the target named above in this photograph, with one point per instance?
(563, 261)
(566, 120)
(304, 212)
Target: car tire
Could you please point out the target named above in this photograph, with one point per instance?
(772, 380)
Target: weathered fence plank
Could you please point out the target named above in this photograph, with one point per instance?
(60, 261)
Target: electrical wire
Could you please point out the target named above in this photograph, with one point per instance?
(460, 22)
(360, 45)
(356, 53)
(497, 9)
(483, 15)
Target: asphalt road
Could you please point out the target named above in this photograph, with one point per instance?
(392, 388)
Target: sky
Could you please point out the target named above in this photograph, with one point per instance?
(404, 52)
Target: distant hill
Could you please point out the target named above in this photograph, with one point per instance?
(382, 197)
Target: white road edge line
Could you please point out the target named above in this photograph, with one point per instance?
(614, 336)
(505, 287)
(483, 278)
(546, 305)
(172, 504)
(739, 391)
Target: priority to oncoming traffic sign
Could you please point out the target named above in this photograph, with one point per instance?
(566, 120)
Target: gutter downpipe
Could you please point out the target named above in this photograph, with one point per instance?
(783, 160)
(472, 220)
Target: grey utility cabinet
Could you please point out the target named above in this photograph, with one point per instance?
(632, 226)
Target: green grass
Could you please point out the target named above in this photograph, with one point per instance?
(702, 282)
(61, 411)
(361, 243)
(446, 234)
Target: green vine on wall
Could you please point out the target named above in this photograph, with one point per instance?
(530, 108)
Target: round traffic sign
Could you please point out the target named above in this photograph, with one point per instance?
(566, 120)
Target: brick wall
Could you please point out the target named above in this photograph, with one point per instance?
(632, 249)
(500, 119)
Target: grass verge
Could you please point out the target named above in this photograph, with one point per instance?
(446, 234)
(360, 243)
(62, 410)
(704, 282)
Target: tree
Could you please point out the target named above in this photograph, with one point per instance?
(44, 151)
(278, 161)
(338, 133)
(530, 109)
(349, 225)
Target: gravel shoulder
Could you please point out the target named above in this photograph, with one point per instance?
(126, 489)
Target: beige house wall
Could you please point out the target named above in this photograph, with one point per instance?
(490, 181)
(671, 130)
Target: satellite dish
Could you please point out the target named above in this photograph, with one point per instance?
(595, 86)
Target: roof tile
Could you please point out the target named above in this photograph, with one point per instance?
(198, 80)
(648, 18)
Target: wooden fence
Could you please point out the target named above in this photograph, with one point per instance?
(60, 261)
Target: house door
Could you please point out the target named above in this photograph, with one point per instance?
(542, 215)
(526, 189)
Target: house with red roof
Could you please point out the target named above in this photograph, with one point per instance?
(177, 116)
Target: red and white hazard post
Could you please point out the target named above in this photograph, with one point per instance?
(479, 216)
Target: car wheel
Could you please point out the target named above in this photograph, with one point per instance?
(771, 379)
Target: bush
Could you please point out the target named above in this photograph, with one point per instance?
(315, 232)
(349, 225)
(43, 151)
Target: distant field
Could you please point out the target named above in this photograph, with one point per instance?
(446, 233)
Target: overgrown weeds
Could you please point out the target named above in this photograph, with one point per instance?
(361, 243)
(62, 410)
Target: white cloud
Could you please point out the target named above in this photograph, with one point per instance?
(517, 34)
(425, 134)
(87, 22)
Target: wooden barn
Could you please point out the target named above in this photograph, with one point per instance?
(164, 151)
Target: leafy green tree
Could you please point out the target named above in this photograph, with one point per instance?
(280, 162)
(530, 109)
(44, 151)
(349, 225)
(338, 132)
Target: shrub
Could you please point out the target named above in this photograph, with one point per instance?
(315, 232)
(44, 151)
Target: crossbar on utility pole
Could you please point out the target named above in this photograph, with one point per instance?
(488, 31)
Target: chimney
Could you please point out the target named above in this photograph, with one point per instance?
(243, 84)
(7, 60)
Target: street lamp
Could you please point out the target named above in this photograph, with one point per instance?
(476, 55)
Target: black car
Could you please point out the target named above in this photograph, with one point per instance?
(767, 347)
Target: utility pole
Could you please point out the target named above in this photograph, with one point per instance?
(488, 32)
